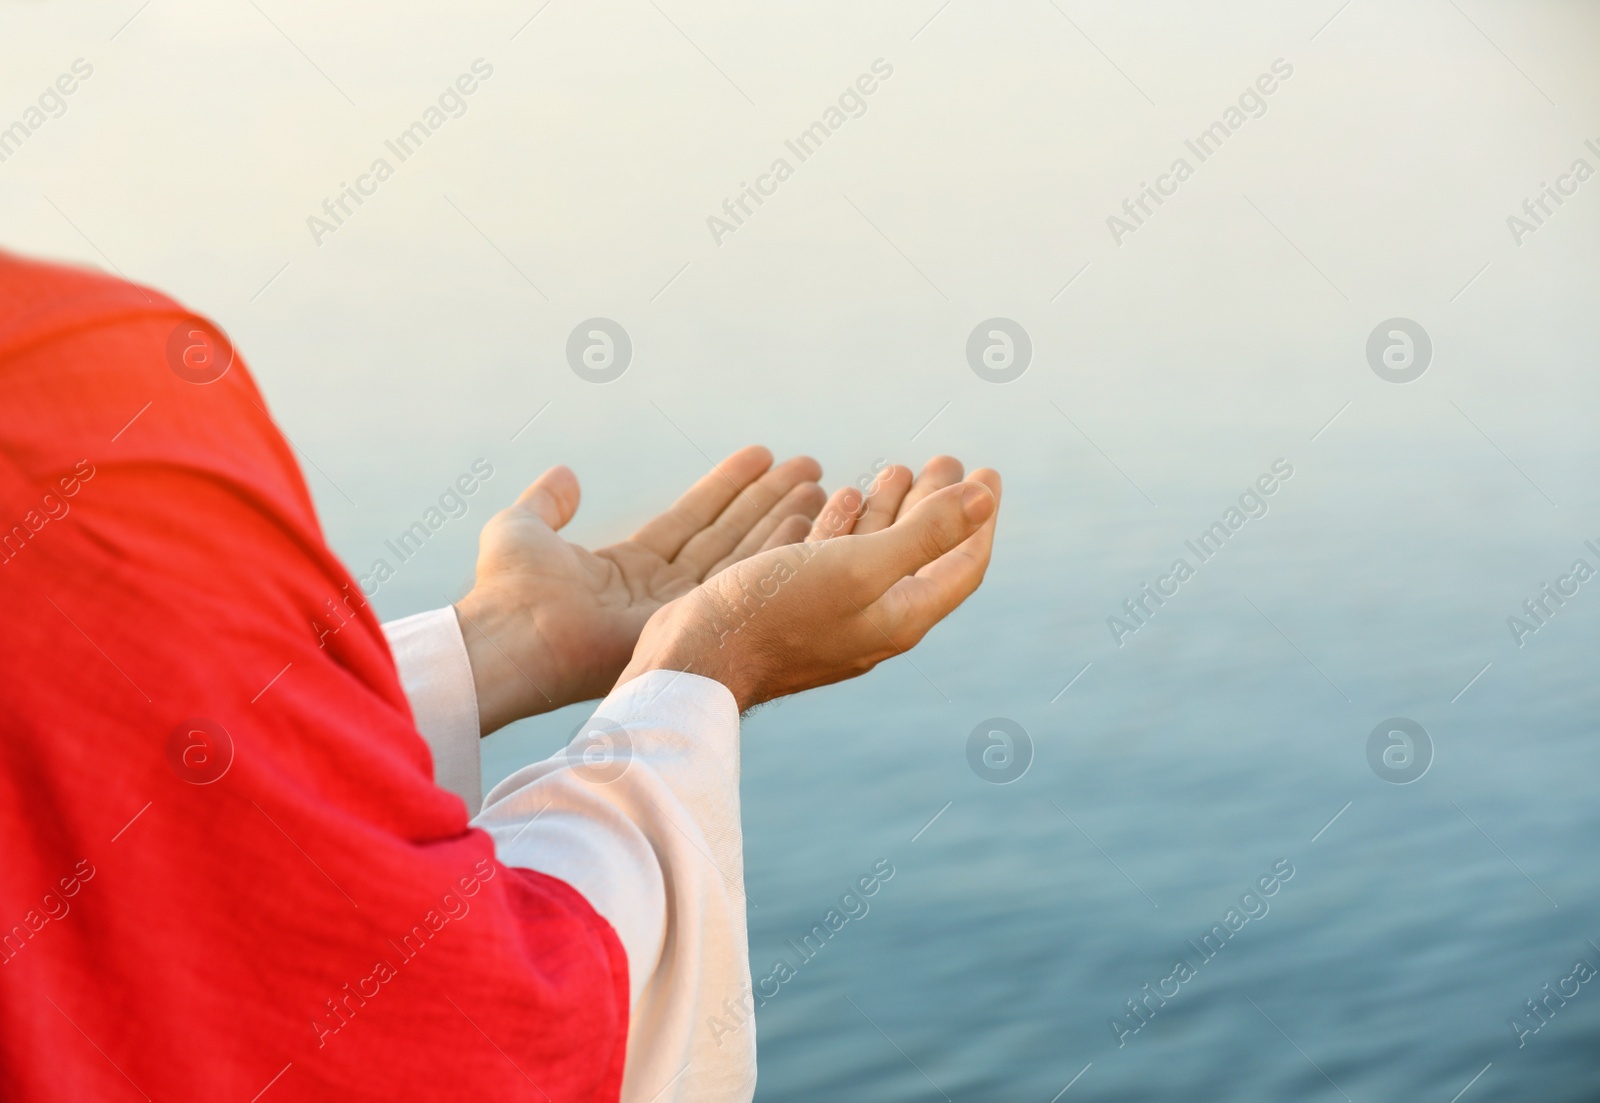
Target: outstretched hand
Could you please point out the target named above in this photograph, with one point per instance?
(870, 582)
(549, 623)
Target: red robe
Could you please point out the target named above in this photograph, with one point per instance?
(228, 874)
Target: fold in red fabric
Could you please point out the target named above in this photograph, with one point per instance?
(227, 872)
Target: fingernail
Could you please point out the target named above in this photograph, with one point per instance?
(977, 502)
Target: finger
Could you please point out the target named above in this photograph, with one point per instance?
(914, 605)
(701, 504)
(552, 497)
(838, 517)
(977, 547)
(937, 473)
(883, 500)
(712, 543)
(791, 530)
(803, 501)
(938, 524)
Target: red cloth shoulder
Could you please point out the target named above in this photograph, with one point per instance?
(228, 872)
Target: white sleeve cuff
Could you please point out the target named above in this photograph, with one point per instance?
(431, 657)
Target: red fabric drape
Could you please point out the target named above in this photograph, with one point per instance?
(227, 872)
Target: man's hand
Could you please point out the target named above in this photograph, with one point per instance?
(549, 623)
(805, 615)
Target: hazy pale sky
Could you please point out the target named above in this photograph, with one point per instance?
(578, 178)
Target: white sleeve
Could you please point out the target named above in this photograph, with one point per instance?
(431, 658)
(639, 814)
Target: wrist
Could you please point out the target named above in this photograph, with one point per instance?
(675, 639)
(490, 632)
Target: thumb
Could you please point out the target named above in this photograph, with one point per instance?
(552, 497)
(937, 524)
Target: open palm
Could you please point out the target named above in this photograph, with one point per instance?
(549, 623)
